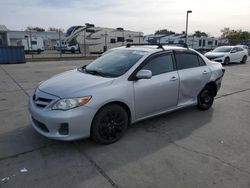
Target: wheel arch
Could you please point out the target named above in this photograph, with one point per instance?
(213, 85)
(120, 103)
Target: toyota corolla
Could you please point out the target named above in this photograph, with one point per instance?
(121, 87)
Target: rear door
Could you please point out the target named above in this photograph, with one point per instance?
(234, 55)
(161, 91)
(241, 53)
(193, 74)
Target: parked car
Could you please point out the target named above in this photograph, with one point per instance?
(228, 54)
(245, 47)
(124, 86)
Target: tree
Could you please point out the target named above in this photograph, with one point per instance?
(200, 34)
(35, 29)
(55, 29)
(235, 36)
(164, 31)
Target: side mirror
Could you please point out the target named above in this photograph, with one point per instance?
(233, 51)
(144, 74)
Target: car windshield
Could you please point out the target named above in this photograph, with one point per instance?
(115, 63)
(223, 49)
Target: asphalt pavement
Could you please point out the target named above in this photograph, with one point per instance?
(183, 149)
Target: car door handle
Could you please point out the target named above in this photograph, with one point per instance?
(173, 78)
(205, 72)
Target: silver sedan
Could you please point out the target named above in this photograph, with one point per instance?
(123, 86)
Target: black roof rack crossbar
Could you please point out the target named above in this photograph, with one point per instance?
(184, 45)
(138, 44)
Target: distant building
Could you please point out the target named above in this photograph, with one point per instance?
(12, 37)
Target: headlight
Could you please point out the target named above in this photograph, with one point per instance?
(69, 103)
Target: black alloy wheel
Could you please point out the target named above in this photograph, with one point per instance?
(205, 98)
(109, 124)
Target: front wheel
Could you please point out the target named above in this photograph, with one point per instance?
(227, 61)
(244, 59)
(205, 98)
(109, 124)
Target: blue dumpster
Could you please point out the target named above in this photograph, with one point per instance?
(12, 54)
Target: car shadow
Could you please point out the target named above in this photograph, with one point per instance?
(233, 64)
(142, 139)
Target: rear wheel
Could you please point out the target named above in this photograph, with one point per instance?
(244, 59)
(205, 98)
(109, 124)
(72, 50)
(227, 61)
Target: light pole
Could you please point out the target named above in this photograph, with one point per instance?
(189, 11)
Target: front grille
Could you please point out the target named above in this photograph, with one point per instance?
(211, 57)
(40, 125)
(40, 101)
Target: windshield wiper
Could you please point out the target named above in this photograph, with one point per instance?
(95, 72)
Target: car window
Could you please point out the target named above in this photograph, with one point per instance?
(201, 61)
(186, 61)
(234, 50)
(239, 49)
(160, 64)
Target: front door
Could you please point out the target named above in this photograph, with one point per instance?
(161, 91)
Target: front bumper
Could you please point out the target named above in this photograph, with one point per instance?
(218, 59)
(62, 125)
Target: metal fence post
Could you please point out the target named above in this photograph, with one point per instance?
(60, 43)
(32, 56)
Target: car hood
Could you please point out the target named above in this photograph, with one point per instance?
(215, 54)
(73, 84)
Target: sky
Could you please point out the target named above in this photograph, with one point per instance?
(146, 16)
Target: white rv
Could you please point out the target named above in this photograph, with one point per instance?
(202, 43)
(99, 39)
(34, 45)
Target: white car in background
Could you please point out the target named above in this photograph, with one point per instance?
(228, 54)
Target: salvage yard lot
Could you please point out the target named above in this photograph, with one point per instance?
(183, 149)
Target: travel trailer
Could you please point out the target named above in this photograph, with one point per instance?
(33, 45)
(95, 40)
(202, 43)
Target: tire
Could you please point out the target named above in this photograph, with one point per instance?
(72, 50)
(109, 124)
(205, 98)
(244, 59)
(226, 61)
(39, 51)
